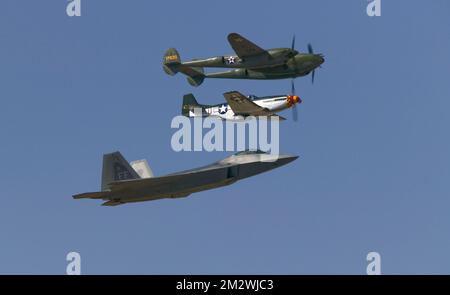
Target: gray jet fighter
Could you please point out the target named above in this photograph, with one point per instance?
(124, 182)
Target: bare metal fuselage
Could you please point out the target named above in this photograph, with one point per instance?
(273, 104)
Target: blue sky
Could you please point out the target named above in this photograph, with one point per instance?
(373, 140)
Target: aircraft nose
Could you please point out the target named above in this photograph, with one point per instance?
(321, 59)
(293, 99)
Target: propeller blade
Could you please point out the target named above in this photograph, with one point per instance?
(295, 113)
(313, 74)
(293, 43)
(310, 49)
(294, 107)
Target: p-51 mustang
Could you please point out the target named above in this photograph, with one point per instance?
(127, 183)
(238, 106)
(250, 62)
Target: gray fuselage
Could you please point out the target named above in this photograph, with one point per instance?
(183, 183)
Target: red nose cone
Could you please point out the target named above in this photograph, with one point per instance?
(293, 99)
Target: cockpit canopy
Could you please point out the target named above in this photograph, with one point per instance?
(250, 152)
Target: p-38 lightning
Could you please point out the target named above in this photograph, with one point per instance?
(124, 182)
(238, 106)
(249, 62)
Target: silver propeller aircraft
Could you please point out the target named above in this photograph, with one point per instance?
(124, 182)
(238, 106)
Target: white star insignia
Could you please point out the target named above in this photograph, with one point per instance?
(223, 109)
(231, 59)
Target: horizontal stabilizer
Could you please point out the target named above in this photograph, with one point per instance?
(112, 203)
(93, 195)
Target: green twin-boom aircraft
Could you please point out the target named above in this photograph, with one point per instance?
(250, 62)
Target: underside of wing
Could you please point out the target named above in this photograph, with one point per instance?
(241, 105)
(246, 49)
(279, 117)
(174, 183)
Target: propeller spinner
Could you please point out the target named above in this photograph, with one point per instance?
(292, 100)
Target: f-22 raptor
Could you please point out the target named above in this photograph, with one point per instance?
(249, 62)
(124, 182)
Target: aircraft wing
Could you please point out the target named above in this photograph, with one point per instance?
(173, 182)
(241, 105)
(245, 49)
(176, 185)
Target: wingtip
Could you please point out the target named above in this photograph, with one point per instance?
(233, 36)
(230, 92)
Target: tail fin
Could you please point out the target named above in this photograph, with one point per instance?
(116, 168)
(190, 104)
(195, 76)
(142, 168)
(171, 61)
(172, 65)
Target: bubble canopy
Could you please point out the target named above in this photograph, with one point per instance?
(248, 152)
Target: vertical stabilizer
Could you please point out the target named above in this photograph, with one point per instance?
(142, 168)
(116, 168)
